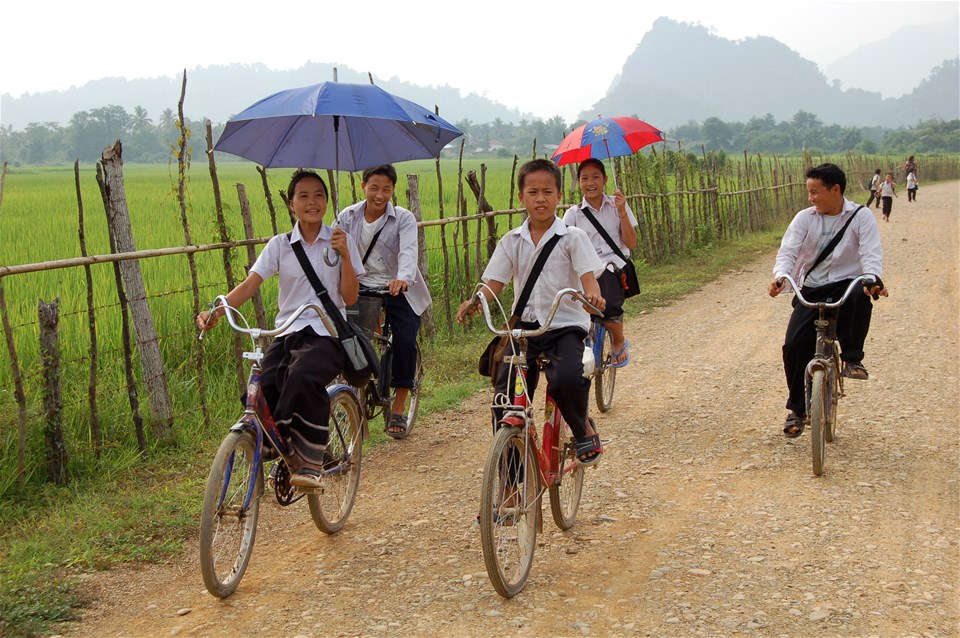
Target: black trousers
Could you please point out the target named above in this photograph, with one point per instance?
(405, 325)
(563, 347)
(296, 370)
(874, 196)
(800, 343)
(887, 205)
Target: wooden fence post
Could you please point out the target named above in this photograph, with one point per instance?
(52, 404)
(269, 197)
(182, 165)
(483, 206)
(132, 395)
(227, 265)
(260, 311)
(155, 376)
(95, 434)
(413, 203)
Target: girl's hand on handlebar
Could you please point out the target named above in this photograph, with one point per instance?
(207, 319)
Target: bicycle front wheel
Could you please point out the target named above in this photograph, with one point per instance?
(413, 398)
(338, 491)
(835, 390)
(228, 521)
(509, 507)
(605, 378)
(819, 404)
(565, 494)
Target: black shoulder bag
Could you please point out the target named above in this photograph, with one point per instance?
(627, 274)
(492, 356)
(362, 362)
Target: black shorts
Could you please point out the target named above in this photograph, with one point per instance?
(612, 290)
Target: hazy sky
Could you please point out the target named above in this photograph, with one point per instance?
(524, 54)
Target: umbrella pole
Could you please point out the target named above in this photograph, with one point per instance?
(329, 256)
(613, 165)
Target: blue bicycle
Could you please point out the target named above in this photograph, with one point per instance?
(231, 500)
(604, 373)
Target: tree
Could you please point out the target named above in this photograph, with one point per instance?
(716, 133)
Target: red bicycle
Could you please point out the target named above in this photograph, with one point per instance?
(519, 467)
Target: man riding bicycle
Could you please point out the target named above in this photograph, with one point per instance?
(824, 266)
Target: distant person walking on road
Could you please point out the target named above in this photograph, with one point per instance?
(911, 187)
(874, 189)
(888, 190)
(910, 166)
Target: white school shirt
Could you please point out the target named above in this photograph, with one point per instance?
(609, 219)
(858, 253)
(397, 247)
(572, 257)
(295, 289)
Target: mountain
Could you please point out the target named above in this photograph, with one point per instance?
(894, 65)
(221, 91)
(678, 73)
(681, 72)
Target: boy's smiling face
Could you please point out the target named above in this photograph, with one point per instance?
(539, 198)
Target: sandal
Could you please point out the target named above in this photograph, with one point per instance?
(853, 370)
(307, 477)
(397, 426)
(621, 357)
(589, 449)
(794, 425)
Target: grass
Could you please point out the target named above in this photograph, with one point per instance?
(52, 536)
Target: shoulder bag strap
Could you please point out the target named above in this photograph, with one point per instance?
(534, 274)
(373, 242)
(332, 311)
(588, 213)
(833, 242)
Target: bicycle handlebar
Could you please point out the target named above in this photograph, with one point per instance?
(520, 333)
(862, 279)
(255, 333)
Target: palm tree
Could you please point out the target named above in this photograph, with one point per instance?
(141, 120)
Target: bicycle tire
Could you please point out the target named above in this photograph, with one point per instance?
(331, 507)
(509, 534)
(830, 433)
(227, 529)
(565, 494)
(413, 398)
(818, 417)
(605, 379)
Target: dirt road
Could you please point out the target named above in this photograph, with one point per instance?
(702, 520)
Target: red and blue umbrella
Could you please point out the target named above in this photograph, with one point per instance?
(606, 137)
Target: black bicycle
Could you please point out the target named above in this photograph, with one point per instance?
(369, 314)
(822, 380)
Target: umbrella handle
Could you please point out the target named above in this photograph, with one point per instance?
(335, 259)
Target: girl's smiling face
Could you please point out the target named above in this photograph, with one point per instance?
(309, 201)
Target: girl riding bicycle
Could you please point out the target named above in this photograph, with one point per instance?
(573, 264)
(299, 364)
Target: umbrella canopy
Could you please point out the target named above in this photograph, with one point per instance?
(337, 126)
(604, 138)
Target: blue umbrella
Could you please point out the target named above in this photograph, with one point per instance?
(337, 126)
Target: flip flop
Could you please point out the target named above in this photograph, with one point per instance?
(625, 350)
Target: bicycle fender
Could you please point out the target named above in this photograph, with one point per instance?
(817, 364)
(352, 393)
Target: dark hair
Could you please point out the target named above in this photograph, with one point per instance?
(910, 159)
(592, 162)
(878, 171)
(830, 175)
(387, 170)
(537, 165)
(298, 176)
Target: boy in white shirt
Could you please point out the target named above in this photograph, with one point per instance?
(572, 264)
(387, 236)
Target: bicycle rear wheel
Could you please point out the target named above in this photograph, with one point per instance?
(819, 404)
(332, 505)
(509, 507)
(227, 526)
(605, 378)
(565, 495)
